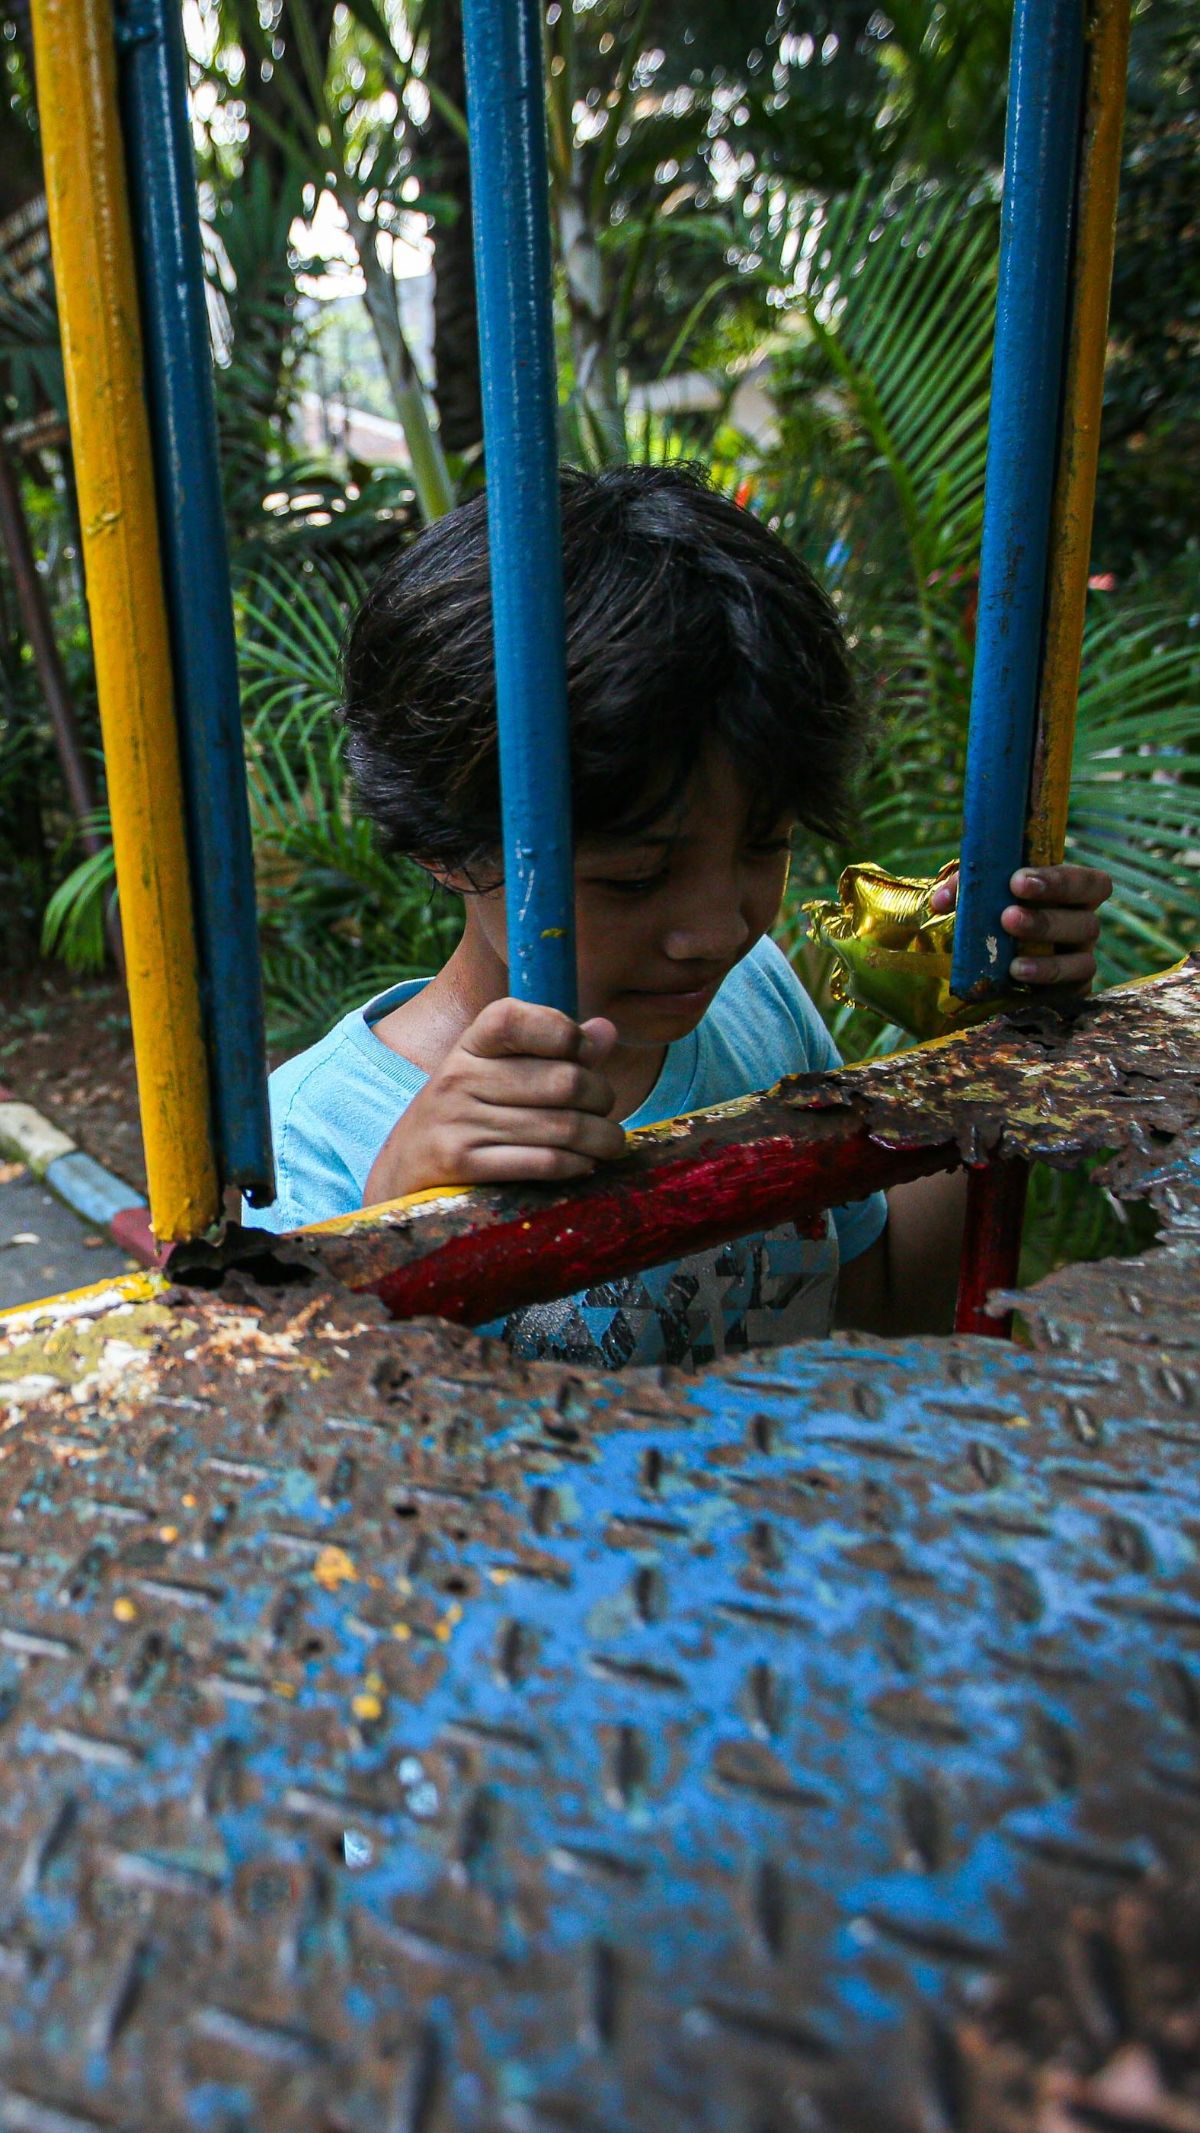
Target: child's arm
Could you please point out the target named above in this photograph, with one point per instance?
(906, 1281)
(520, 1097)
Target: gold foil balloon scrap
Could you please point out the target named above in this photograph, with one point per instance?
(893, 951)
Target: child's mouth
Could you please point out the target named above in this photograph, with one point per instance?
(693, 1001)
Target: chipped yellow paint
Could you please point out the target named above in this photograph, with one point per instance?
(1075, 486)
(385, 1211)
(369, 1701)
(98, 318)
(333, 1567)
(103, 1356)
(125, 1610)
(77, 1303)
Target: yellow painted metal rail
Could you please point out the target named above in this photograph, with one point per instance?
(97, 303)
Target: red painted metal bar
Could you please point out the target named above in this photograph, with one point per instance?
(991, 1243)
(611, 1227)
(1051, 1088)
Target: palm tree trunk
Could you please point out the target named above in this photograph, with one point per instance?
(431, 476)
(590, 310)
(455, 321)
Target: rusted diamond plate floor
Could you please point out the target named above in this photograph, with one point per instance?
(399, 1742)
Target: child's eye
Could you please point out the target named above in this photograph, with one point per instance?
(641, 885)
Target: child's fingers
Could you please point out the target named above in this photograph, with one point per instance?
(517, 1164)
(1067, 924)
(543, 1085)
(1085, 887)
(1077, 969)
(579, 1132)
(944, 896)
(599, 1037)
(509, 1029)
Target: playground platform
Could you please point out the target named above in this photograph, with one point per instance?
(397, 1736)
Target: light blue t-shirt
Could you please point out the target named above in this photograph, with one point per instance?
(333, 1106)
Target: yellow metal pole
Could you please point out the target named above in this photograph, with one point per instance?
(1075, 487)
(98, 316)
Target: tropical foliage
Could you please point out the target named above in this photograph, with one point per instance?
(884, 412)
(340, 920)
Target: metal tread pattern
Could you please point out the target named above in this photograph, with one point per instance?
(398, 1741)
(397, 1738)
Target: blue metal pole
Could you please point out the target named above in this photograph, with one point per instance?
(1040, 155)
(152, 67)
(509, 198)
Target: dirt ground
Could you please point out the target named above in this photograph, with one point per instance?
(65, 1047)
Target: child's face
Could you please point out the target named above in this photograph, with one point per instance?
(663, 916)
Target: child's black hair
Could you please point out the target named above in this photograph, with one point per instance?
(687, 621)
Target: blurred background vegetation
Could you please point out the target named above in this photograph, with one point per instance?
(775, 232)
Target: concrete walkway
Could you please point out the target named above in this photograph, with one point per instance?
(43, 1247)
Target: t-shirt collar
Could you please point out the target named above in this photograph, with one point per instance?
(670, 1095)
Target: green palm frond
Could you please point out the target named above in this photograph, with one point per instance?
(896, 304)
(291, 625)
(1135, 784)
(879, 480)
(340, 919)
(73, 921)
(29, 345)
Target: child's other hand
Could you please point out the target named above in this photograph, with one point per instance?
(520, 1097)
(1057, 905)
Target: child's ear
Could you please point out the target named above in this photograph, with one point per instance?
(463, 881)
(454, 879)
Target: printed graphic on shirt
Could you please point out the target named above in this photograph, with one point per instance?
(759, 1292)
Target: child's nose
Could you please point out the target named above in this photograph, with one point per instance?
(712, 933)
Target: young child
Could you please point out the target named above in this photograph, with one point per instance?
(713, 715)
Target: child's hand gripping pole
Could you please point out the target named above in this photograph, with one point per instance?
(521, 1098)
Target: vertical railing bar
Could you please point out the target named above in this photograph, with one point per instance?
(152, 73)
(997, 1193)
(991, 1257)
(510, 209)
(102, 357)
(1083, 401)
(1040, 162)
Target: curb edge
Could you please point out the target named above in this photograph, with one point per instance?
(91, 1191)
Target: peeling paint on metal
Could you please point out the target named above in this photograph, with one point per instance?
(399, 1736)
